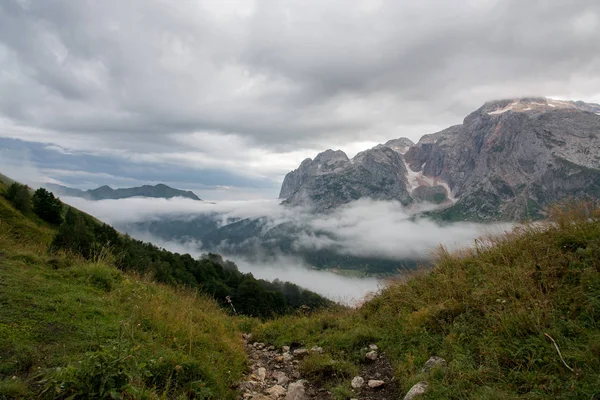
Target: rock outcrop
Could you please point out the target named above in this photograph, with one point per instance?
(507, 160)
(331, 179)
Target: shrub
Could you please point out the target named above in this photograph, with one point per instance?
(47, 207)
(18, 196)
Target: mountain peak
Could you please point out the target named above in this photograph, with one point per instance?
(105, 192)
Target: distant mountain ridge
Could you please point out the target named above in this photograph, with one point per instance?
(106, 192)
(506, 161)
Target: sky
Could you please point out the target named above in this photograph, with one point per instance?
(225, 97)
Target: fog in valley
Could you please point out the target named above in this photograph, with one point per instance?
(362, 228)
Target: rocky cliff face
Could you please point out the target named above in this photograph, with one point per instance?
(331, 179)
(508, 160)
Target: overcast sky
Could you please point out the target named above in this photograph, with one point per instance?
(225, 97)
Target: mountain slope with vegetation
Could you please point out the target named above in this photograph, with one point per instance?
(516, 316)
(76, 327)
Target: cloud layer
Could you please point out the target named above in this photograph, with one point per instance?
(254, 86)
(362, 228)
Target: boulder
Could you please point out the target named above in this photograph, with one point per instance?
(372, 355)
(417, 390)
(434, 362)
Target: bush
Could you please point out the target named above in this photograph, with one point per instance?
(47, 207)
(18, 196)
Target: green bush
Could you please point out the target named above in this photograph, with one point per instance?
(18, 196)
(47, 207)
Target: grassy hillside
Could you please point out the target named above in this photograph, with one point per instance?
(515, 317)
(490, 312)
(72, 327)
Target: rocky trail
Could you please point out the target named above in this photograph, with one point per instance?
(276, 374)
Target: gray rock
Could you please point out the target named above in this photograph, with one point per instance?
(357, 382)
(373, 347)
(281, 378)
(296, 391)
(285, 349)
(276, 391)
(417, 390)
(507, 160)
(372, 355)
(247, 386)
(316, 349)
(434, 362)
(375, 383)
(261, 373)
(378, 173)
(300, 351)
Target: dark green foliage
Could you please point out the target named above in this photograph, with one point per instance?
(47, 207)
(219, 278)
(18, 196)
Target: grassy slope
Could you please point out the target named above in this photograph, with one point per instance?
(59, 311)
(486, 311)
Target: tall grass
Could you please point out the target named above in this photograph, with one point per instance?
(494, 311)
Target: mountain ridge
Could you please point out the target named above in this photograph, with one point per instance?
(105, 192)
(506, 161)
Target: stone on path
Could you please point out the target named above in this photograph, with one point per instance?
(296, 391)
(357, 382)
(261, 373)
(372, 355)
(276, 391)
(373, 383)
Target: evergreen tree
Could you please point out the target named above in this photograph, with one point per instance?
(18, 196)
(47, 207)
(74, 235)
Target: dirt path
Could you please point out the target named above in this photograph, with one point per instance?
(275, 374)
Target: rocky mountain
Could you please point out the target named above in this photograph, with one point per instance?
(106, 192)
(331, 179)
(507, 160)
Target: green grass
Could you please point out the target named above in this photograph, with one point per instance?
(487, 311)
(70, 327)
(74, 328)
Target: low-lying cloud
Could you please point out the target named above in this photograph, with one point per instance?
(362, 228)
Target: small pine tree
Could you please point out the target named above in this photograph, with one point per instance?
(47, 207)
(18, 196)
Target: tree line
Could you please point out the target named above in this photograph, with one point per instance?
(82, 234)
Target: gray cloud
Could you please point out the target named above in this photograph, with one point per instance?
(362, 228)
(153, 79)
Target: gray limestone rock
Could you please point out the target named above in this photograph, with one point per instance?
(417, 390)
